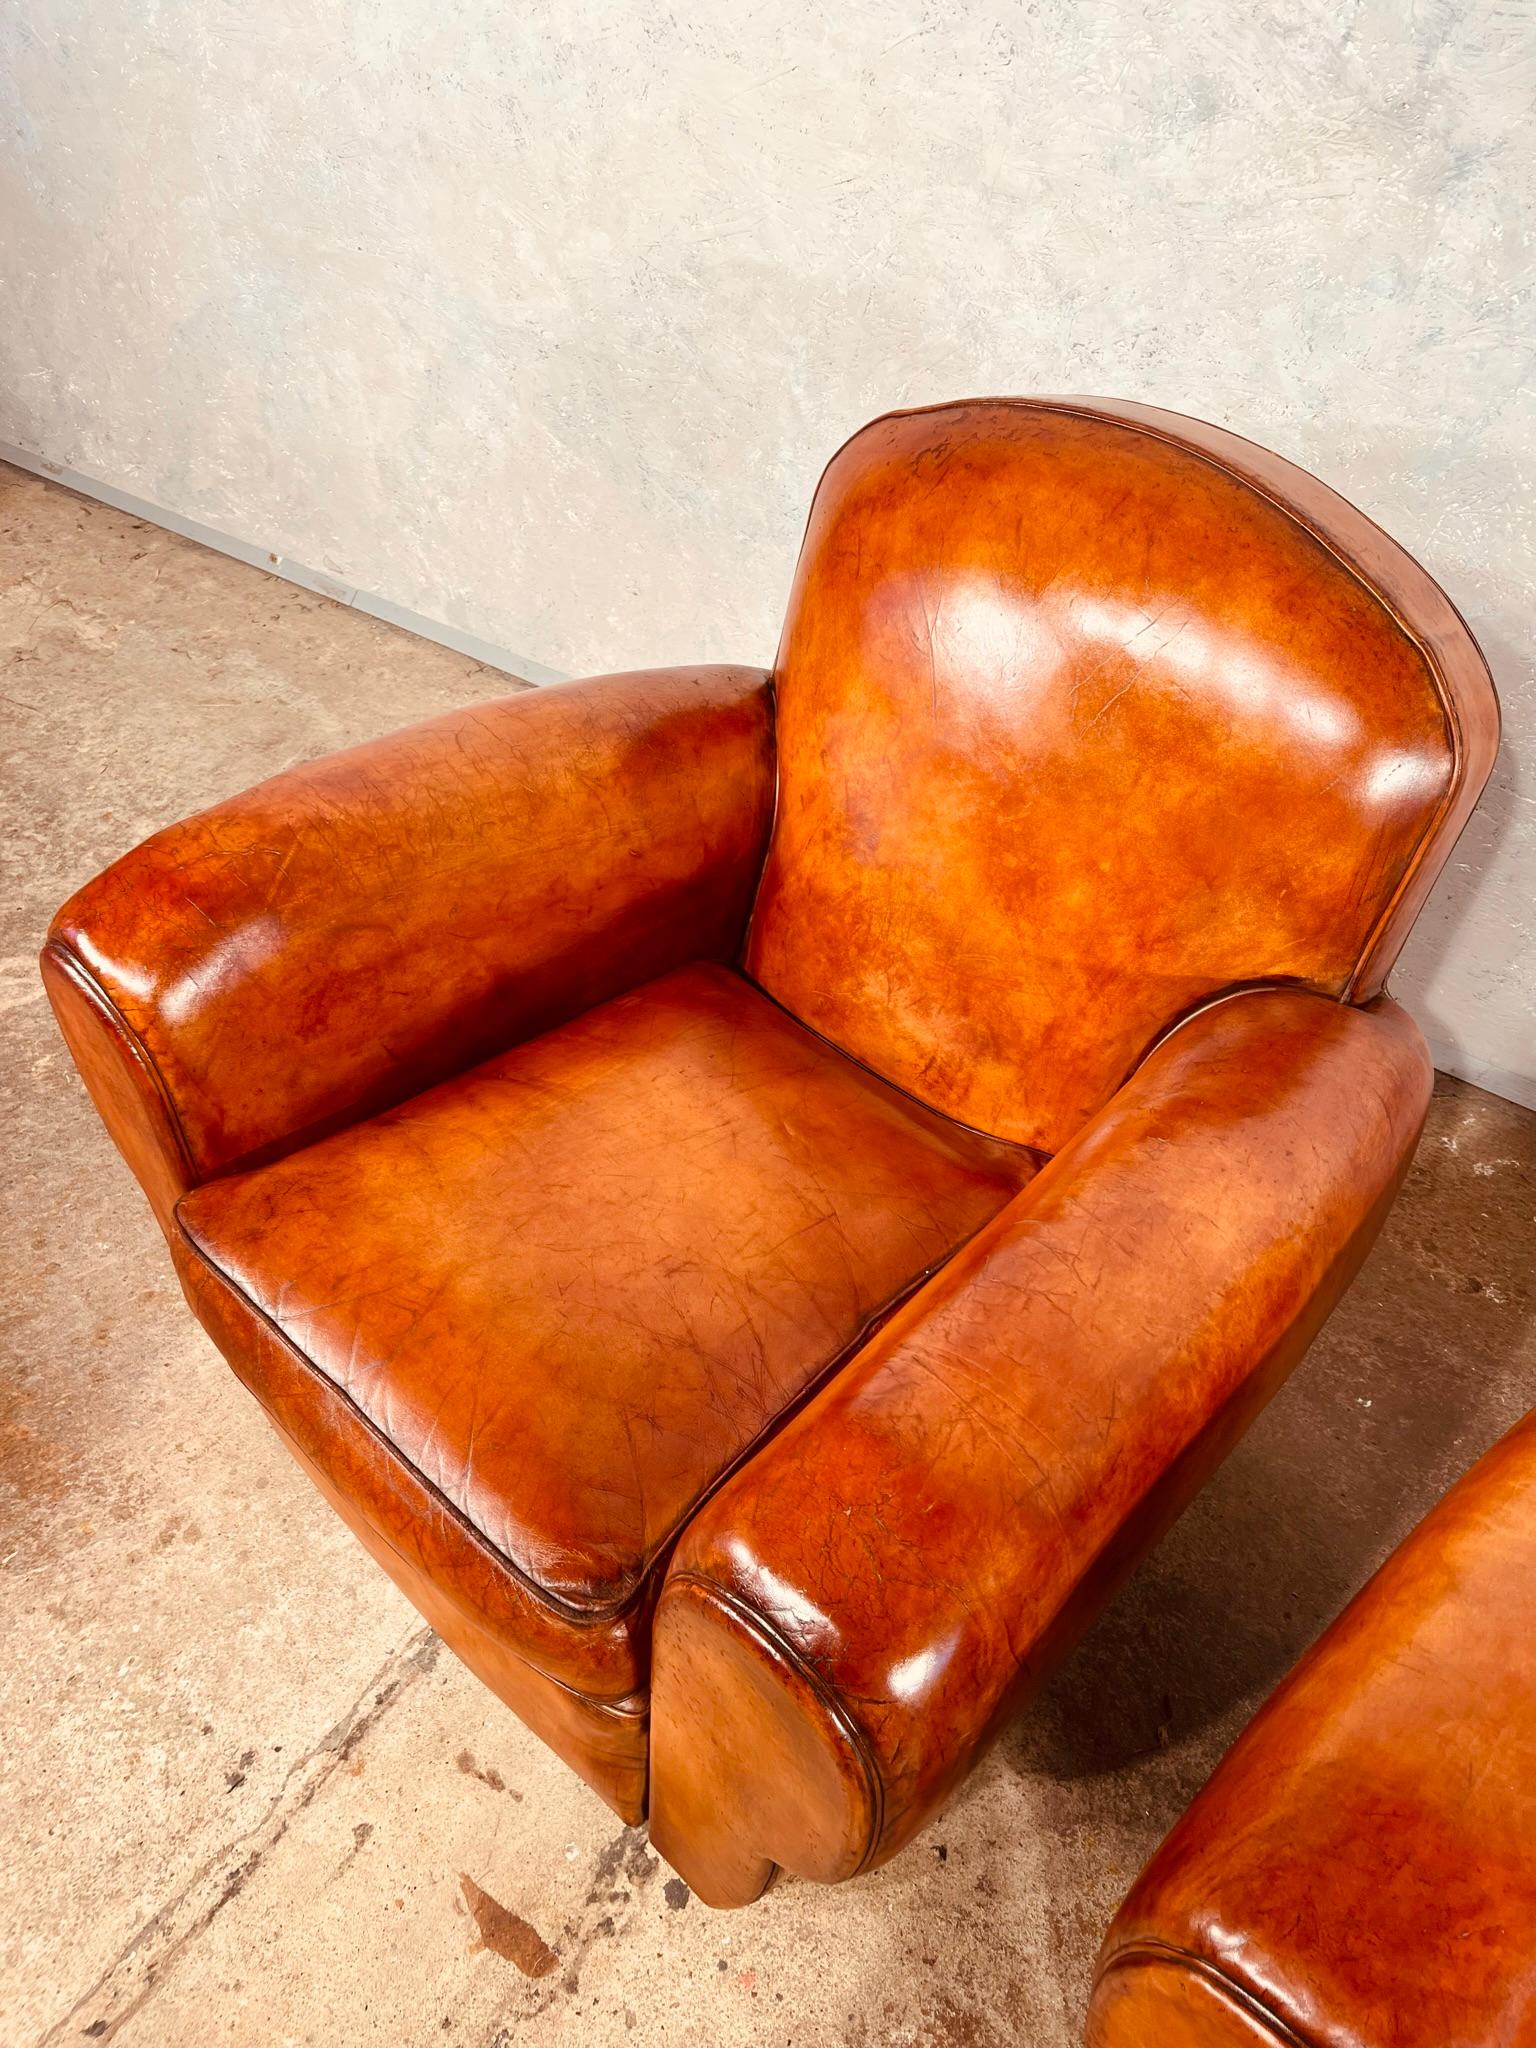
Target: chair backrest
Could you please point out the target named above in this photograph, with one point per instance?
(1087, 714)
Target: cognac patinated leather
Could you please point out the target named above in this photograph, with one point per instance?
(1362, 1868)
(605, 1128)
(1075, 730)
(528, 1320)
(353, 931)
(1018, 1434)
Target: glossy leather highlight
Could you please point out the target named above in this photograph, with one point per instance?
(1361, 1870)
(363, 926)
(554, 1246)
(531, 1317)
(1037, 662)
(928, 1536)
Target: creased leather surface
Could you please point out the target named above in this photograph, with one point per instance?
(1085, 714)
(1076, 729)
(1363, 1864)
(928, 1532)
(362, 926)
(603, 1739)
(570, 1288)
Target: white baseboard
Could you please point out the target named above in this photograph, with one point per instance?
(1513, 1087)
(470, 644)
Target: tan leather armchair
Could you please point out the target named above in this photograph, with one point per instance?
(1361, 1870)
(758, 1195)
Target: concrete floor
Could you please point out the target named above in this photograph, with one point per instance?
(246, 1798)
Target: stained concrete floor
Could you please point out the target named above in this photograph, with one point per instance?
(241, 1786)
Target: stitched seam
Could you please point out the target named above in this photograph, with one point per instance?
(868, 1330)
(76, 970)
(1012, 1145)
(579, 1615)
(287, 1141)
(1231, 994)
(832, 1703)
(619, 1707)
(773, 821)
(1148, 1949)
(693, 1575)
(1449, 710)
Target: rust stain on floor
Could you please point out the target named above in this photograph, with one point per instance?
(507, 1933)
(487, 1774)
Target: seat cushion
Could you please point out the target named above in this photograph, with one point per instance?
(526, 1321)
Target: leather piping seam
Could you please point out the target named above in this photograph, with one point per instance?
(575, 1616)
(831, 1702)
(74, 968)
(1014, 1145)
(1450, 711)
(618, 1708)
(1233, 993)
(1148, 1949)
(257, 1156)
(571, 1612)
(771, 678)
(1328, 1257)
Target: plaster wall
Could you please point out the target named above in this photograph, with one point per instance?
(541, 321)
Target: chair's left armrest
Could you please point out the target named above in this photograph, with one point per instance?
(365, 925)
(858, 1611)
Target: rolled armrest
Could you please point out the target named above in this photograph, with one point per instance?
(358, 928)
(859, 1610)
(1362, 1867)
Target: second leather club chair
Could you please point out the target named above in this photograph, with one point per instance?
(759, 1194)
(1361, 1870)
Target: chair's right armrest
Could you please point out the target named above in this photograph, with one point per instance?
(365, 925)
(857, 1612)
(1362, 1867)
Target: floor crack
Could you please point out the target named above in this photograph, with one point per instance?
(143, 1963)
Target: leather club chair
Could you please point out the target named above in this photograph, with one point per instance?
(1361, 1871)
(758, 1194)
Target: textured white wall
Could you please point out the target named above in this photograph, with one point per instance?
(542, 320)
